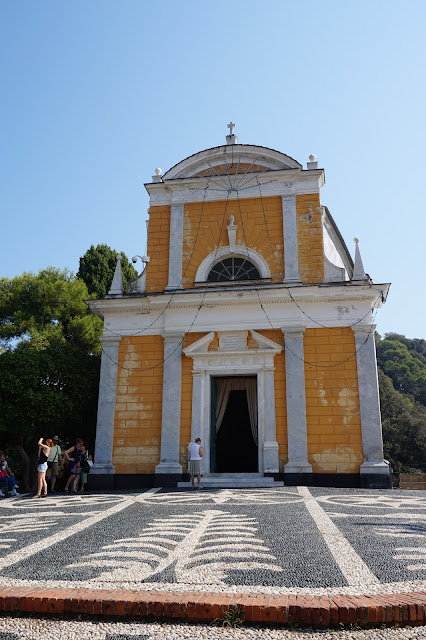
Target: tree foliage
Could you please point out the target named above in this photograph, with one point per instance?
(97, 268)
(49, 366)
(402, 378)
(47, 307)
(406, 369)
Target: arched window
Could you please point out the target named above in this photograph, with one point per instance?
(233, 269)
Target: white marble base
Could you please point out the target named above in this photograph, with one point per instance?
(168, 467)
(98, 469)
(298, 467)
(270, 457)
(374, 467)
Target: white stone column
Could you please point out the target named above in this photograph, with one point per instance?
(369, 401)
(175, 247)
(106, 406)
(291, 258)
(270, 445)
(170, 420)
(197, 416)
(296, 401)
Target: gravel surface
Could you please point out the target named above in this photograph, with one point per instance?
(38, 628)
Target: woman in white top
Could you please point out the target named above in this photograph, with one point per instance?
(195, 457)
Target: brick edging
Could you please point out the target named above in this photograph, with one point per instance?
(303, 610)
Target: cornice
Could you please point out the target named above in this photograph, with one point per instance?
(272, 183)
(277, 295)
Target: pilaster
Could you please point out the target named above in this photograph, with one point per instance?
(291, 259)
(270, 445)
(369, 402)
(175, 247)
(296, 401)
(197, 417)
(106, 406)
(170, 422)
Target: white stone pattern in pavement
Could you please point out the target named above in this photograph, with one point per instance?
(40, 628)
(350, 563)
(392, 503)
(209, 544)
(391, 508)
(85, 521)
(31, 515)
(407, 553)
(235, 496)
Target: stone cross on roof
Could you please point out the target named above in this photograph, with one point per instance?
(231, 126)
(231, 138)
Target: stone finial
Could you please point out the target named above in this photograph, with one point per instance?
(231, 138)
(158, 175)
(117, 281)
(313, 162)
(232, 233)
(358, 273)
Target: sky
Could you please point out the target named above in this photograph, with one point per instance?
(96, 95)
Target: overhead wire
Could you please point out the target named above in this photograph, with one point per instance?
(229, 188)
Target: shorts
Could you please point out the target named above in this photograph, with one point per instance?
(53, 470)
(195, 467)
(42, 466)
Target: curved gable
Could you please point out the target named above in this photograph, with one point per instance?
(233, 158)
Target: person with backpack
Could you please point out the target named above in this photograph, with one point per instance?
(85, 465)
(53, 462)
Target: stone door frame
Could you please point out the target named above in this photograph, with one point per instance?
(235, 361)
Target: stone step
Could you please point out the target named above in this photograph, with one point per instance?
(234, 481)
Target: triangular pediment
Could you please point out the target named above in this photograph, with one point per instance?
(232, 341)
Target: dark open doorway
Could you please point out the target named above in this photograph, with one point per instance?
(234, 447)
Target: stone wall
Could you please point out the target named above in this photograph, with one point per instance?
(158, 248)
(332, 403)
(137, 426)
(310, 242)
(252, 233)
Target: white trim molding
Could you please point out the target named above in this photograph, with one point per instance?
(242, 153)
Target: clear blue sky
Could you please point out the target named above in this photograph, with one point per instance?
(96, 95)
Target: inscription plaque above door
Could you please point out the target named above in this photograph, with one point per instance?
(233, 341)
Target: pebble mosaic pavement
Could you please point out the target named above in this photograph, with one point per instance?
(289, 540)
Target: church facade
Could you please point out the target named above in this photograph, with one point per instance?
(250, 327)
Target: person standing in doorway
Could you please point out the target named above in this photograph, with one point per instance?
(195, 457)
(53, 462)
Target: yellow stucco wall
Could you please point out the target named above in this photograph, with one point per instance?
(137, 426)
(310, 240)
(157, 273)
(332, 402)
(205, 230)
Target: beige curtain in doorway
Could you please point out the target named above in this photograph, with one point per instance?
(224, 386)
